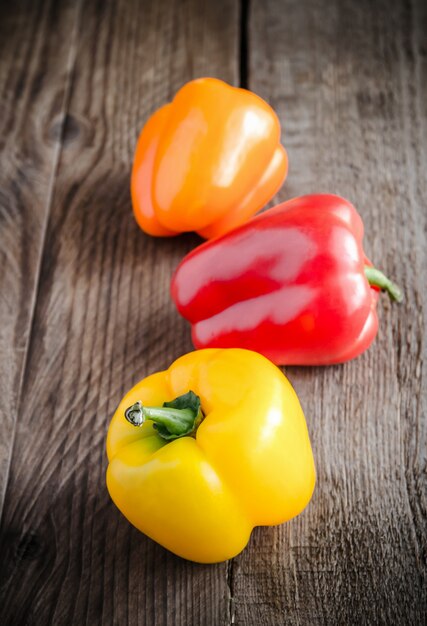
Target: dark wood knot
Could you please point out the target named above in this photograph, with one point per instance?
(66, 129)
(29, 547)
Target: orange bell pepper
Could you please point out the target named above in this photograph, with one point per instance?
(207, 161)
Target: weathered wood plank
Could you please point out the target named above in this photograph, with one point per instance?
(35, 64)
(103, 319)
(349, 82)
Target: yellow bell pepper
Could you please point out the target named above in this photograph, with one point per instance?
(231, 452)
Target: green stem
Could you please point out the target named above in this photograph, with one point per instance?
(178, 418)
(378, 279)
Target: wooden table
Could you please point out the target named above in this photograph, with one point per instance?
(85, 308)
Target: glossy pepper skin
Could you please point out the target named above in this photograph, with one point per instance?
(207, 161)
(292, 284)
(248, 463)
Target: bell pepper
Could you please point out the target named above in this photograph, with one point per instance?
(201, 453)
(207, 161)
(292, 283)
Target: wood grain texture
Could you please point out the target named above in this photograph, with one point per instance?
(91, 292)
(103, 319)
(33, 58)
(349, 82)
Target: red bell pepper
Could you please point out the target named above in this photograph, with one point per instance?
(292, 283)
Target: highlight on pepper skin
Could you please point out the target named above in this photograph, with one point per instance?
(207, 161)
(201, 453)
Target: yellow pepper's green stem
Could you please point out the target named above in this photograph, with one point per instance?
(178, 418)
(380, 280)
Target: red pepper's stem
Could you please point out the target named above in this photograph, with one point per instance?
(174, 419)
(380, 280)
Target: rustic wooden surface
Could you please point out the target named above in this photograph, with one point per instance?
(85, 309)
